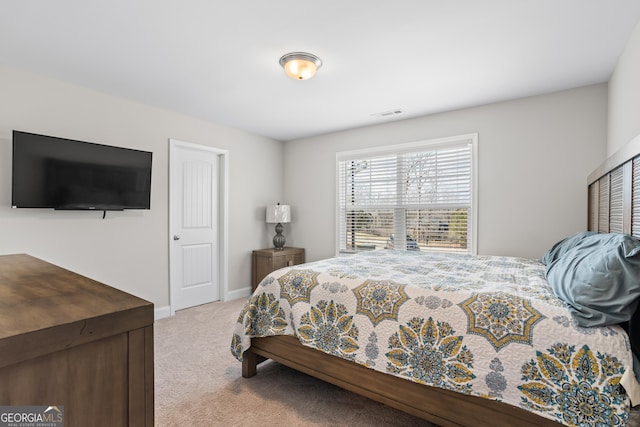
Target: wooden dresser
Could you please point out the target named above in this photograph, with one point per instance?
(267, 260)
(70, 341)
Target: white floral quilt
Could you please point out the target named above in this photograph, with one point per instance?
(485, 326)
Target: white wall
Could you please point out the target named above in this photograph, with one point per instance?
(534, 158)
(624, 96)
(128, 250)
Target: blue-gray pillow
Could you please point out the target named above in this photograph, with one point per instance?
(564, 245)
(598, 278)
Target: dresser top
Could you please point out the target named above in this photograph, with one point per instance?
(36, 295)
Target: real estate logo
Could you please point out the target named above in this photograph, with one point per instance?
(31, 416)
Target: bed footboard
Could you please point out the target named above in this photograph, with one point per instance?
(442, 407)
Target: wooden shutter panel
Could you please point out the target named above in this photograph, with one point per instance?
(635, 214)
(614, 193)
(616, 197)
(603, 205)
(593, 206)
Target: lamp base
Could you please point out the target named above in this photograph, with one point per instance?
(278, 239)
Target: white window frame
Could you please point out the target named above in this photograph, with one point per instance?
(472, 243)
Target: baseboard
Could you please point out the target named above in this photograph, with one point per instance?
(161, 312)
(238, 293)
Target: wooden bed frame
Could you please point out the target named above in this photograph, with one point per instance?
(439, 406)
(614, 206)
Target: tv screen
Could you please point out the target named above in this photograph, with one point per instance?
(58, 173)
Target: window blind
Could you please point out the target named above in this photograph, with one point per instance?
(414, 199)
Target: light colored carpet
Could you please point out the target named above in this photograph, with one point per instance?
(199, 383)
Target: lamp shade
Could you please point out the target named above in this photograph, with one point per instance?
(278, 214)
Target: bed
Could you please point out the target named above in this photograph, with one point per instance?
(471, 340)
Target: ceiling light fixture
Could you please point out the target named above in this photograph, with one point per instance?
(300, 65)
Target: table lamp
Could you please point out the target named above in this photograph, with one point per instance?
(278, 214)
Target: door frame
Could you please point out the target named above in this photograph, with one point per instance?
(223, 215)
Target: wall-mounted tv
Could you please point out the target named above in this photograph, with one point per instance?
(59, 173)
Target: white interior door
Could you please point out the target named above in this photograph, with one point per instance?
(194, 175)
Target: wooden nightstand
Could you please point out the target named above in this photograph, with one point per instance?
(265, 261)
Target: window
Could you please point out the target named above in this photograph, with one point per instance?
(417, 196)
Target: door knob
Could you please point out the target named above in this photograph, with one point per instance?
(176, 237)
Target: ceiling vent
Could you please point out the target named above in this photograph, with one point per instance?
(388, 113)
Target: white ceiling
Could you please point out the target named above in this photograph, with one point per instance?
(219, 60)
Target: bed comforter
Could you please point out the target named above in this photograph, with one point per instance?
(485, 326)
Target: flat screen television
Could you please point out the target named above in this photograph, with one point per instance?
(59, 173)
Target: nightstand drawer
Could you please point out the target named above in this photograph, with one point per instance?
(265, 261)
